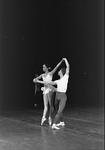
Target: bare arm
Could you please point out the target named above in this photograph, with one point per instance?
(39, 77)
(67, 66)
(53, 71)
(44, 82)
(49, 84)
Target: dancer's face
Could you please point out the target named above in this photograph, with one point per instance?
(45, 68)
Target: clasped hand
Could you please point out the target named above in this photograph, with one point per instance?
(35, 80)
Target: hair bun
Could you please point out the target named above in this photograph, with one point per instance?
(49, 67)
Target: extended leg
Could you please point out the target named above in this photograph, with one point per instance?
(45, 98)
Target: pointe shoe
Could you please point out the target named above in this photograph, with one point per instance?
(49, 121)
(60, 124)
(55, 127)
(42, 121)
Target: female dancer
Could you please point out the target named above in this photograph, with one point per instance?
(47, 91)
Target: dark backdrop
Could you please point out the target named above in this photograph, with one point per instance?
(34, 32)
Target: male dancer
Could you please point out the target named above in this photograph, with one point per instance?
(60, 93)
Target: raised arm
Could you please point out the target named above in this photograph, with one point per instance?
(53, 71)
(67, 66)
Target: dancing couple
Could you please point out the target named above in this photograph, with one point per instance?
(49, 88)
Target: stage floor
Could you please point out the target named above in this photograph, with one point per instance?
(21, 130)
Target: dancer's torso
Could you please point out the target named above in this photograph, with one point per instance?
(47, 78)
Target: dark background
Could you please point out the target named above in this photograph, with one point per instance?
(33, 32)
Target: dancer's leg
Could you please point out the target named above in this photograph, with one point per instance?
(59, 115)
(45, 99)
(50, 97)
(56, 103)
(62, 106)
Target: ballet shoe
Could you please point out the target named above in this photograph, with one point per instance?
(42, 121)
(55, 127)
(49, 121)
(60, 124)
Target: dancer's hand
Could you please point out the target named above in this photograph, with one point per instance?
(35, 80)
(64, 59)
(52, 88)
(42, 88)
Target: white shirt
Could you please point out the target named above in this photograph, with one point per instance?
(62, 83)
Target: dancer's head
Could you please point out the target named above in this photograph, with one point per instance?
(46, 67)
(62, 72)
